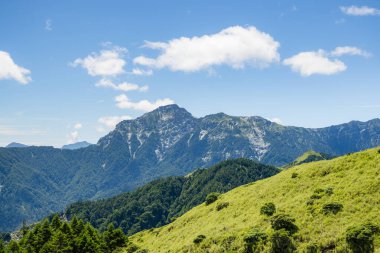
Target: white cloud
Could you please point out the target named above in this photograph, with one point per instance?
(48, 25)
(123, 102)
(359, 11)
(320, 62)
(106, 63)
(310, 63)
(72, 137)
(78, 126)
(339, 51)
(124, 86)
(234, 46)
(10, 70)
(141, 72)
(276, 120)
(112, 121)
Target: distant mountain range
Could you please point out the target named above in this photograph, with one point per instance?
(167, 141)
(81, 144)
(16, 145)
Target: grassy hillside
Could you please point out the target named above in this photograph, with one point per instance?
(307, 157)
(302, 192)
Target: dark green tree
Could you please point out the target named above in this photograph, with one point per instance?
(14, 247)
(114, 238)
(211, 198)
(2, 246)
(56, 222)
(284, 221)
(87, 245)
(360, 238)
(254, 239)
(61, 243)
(281, 242)
(268, 209)
(76, 226)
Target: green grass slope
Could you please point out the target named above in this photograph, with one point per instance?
(307, 157)
(352, 181)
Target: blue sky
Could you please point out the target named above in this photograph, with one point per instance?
(70, 70)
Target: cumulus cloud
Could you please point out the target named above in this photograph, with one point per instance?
(320, 62)
(106, 63)
(112, 121)
(234, 46)
(124, 86)
(310, 63)
(339, 51)
(10, 70)
(141, 72)
(123, 102)
(359, 10)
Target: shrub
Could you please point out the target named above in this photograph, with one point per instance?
(294, 175)
(281, 242)
(222, 205)
(360, 238)
(312, 248)
(333, 208)
(211, 198)
(199, 239)
(378, 151)
(318, 193)
(329, 191)
(284, 221)
(268, 209)
(254, 239)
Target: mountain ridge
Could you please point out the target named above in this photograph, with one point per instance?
(168, 141)
(76, 145)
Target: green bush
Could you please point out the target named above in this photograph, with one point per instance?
(284, 221)
(211, 198)
(360, 238)
(318, 193)
(254, 239)
(329, 191)
(333, 208)
(199, 239)
(281, 242)
(222, 205)
(268, 209)
(312, 248)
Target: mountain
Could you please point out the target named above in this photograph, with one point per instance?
(309, 156)
(16, 145)
(158, 202)
(329, 206)
(168, 141)
(81, 144)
